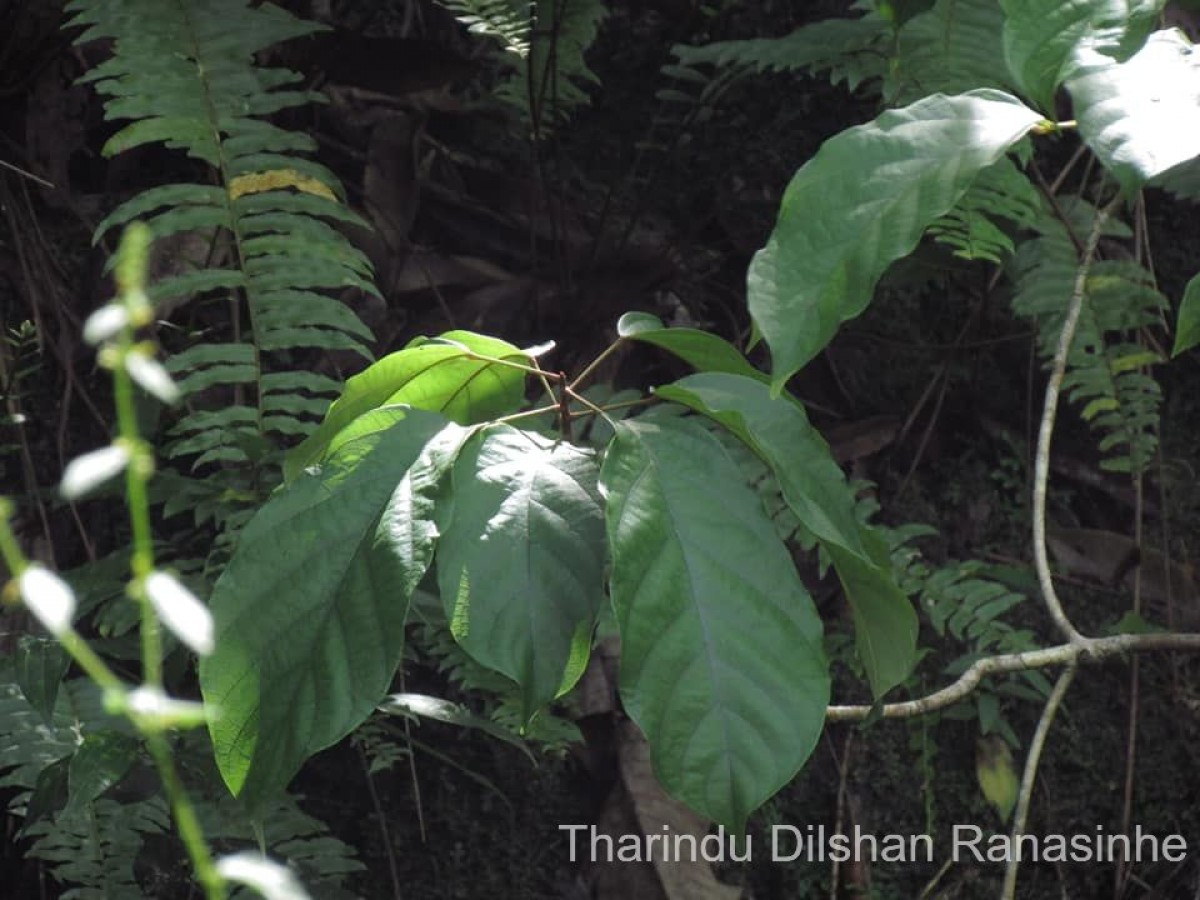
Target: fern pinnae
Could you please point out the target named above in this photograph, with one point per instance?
(845, 50)
(186, 78)
(544, 43)
(1105, 368)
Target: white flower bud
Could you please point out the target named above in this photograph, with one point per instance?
(271, 879)
(153, 378)
(49, 598)
(181, 611)
(105, 323)
(93, 469)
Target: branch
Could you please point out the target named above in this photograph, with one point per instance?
(1084, 650)
(1030, 775)
(1041, 472)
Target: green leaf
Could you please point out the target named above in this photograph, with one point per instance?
(863, 202)
(1041, 36)
(40, 664)
(310, 612)
(701, 350)
(1187, 326)
(815, 489)
(885, 625)
(100, 762)
(1139, 116)
(441, 375)
(722, 664)
(521, 563)
(779, 432)
(407, 525)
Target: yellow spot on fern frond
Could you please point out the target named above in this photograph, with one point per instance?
(276, 179)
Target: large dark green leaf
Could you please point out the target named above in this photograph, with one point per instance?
(310, 611)
(863, 202)
(1040, 37)
(443, 375)
(722, 664)
(521, 562)
(816, 491)
(1139, 116)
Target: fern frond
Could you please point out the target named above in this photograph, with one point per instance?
(544, 43)
(95, 849)
(502, 697)
(853, 51)
(1002, 191)
(1105, 368)
(183, 74)
(499, 19)
(321, 860)
(954, 47)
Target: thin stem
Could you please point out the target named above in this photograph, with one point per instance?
(384, 833)
(594, 411)
(579, 398)
(190, 831)
(1041, 472)
(1030, 775)
(595, 363)
(526, 414)
(521, 367)
(141, 561)
(137, 473)
(24, 173)
(88, 660)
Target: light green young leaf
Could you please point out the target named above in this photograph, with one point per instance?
(816, 491)
(521, 562)
(1041, 36)
(439, 375)
(1187, 326)
(1139, 116)
(722, 663)
(863, 202)
(310, 612)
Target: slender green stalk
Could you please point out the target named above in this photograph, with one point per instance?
(595, 363)
(131, 275)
